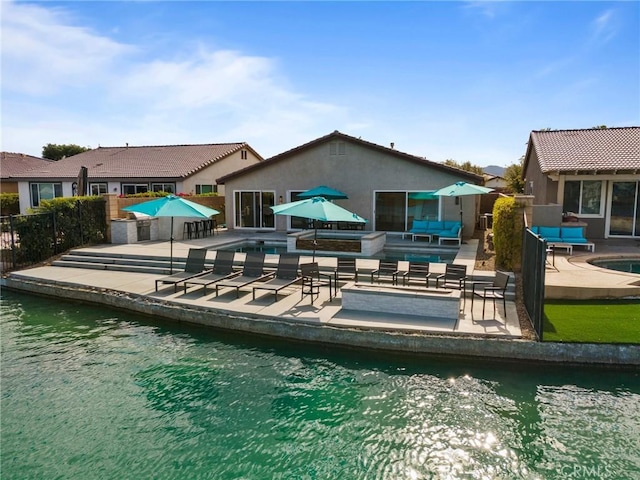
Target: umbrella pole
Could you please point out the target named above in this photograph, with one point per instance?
(315, 240)
(171, 248)
(461, 224)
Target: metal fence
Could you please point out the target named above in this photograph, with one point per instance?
(29, 239)
(14, 253)
(534, 257)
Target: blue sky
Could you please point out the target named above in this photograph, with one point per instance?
(460, 80)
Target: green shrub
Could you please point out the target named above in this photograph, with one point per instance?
(507, 233)
(9, 203)
(36, 238)
(79, 220)
(210, 194)
(147, 195)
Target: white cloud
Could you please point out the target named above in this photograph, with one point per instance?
(41, 53)
(489, 9)
(201, 96)
(604, 27)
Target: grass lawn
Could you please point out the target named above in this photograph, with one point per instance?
(592, 321)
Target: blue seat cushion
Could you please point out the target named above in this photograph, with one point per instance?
(435, 226)
(550, 234)
(450, 233)
(419, 226)
(572, 233)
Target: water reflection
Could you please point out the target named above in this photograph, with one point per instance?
(88, 388)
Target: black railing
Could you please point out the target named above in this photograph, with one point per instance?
(29, 239)
(534, 257)
(17, 254)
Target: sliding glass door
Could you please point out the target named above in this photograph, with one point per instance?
(253, 209)
(624, 220)
(395, 211)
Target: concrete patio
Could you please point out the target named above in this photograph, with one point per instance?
(290, 306)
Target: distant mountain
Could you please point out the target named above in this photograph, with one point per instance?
(494, 170)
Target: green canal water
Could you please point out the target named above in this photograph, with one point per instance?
(91, 393)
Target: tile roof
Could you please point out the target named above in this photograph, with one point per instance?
(163, 161)
(15, 163)
(606, 149)
(336, 135)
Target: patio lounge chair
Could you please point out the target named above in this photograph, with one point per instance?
(454, 276)
(222, 270)
(419, 270)
(346, 269)
(286, 275)
(312, 280)
(193, 268)
(386, 268)
(494, 291)
(253, 271)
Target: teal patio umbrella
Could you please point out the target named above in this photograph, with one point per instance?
(323, 191)
(172, 206)
(317, 208)
(460, 189)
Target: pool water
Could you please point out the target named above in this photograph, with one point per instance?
(628, 265)
(92, 393)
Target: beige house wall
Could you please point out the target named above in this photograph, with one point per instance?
(359, 173)
(218, 169)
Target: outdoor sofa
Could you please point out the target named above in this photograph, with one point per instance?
(573, 236)
(444, 230)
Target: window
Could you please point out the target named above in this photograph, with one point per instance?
(97, 188)
(396, 211)
(200, 189)
(583, 197)
(44, 191)
(163, 187)
(337, 148)
(133, 188)
(243, 154)
(253, 209)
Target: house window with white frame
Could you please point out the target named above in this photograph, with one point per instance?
(44, 191)
(583, 197)
(97, 188)
(163, 187)
(243, 154)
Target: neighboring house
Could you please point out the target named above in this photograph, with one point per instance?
(125, 170)
(591, 174)
(495, 181)
(388, 187)
(14, 164)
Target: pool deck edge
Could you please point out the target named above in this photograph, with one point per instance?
(503, 349)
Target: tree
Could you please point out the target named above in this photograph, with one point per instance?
(466, 166)
(57, 152)
(513, 176)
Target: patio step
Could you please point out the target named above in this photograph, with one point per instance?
(122, 262)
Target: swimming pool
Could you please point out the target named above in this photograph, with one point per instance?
(414, 256)
(628, 265)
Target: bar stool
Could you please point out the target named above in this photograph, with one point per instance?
(187, 230)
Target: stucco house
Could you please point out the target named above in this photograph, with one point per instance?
(12, 164)
(129, 170)
(386, 186)
(591, 174)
